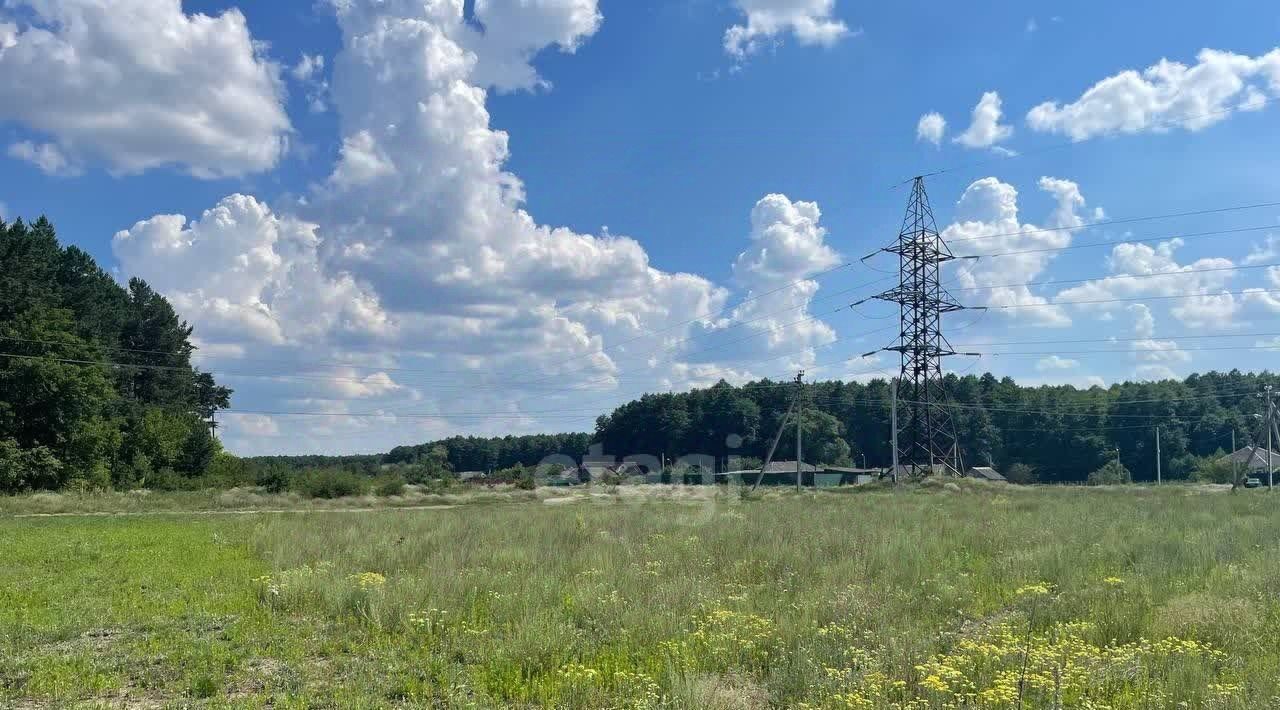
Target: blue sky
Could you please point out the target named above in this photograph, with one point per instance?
(377, 267)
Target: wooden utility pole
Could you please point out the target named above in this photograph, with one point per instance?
(893, 414)
(782, 427)
(799, 426)
(1269, 393)
(1158, 477)
(1235, 468)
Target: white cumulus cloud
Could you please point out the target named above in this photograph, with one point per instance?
(988, 223)
(46, 156)
(309, 73)
(416, 271)
(1166, 95)
(787, 247)
(1160, 274)
(810, 22)
(985, 129)
(1055, 362)
(138, 84)
(1268, 250)
(931, 128)
(1155, 358)
(308, 66)
(245, 274)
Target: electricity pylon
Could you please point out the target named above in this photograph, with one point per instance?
(926, 438)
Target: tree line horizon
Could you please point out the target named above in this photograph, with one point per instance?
(1060, 432)
(67, 421)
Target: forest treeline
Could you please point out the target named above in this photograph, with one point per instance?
(97, 390)
(1058, 433)
(1044, 433)
(65, 419)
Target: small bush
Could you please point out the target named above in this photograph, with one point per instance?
(274, 478)
(330, 483)
(388, 485)
(525, 480)
(1021, 473)
(1112, 474)
(27, 469)
(1214, 469)
(94, 479)
(227, 471)
(166, 479)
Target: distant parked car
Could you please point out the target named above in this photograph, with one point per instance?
(1253, 482)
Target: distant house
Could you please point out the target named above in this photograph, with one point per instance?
(846, 476)
(466, 476)
(597, 471)
(788, 467)
(985, 473)
(567, 477)
(777, 473)
(1252, 459)
(627, 469)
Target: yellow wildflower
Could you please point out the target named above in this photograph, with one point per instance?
(369, 580)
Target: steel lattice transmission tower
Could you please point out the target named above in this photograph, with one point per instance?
(926, 437)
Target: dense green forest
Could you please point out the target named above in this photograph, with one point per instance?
(474, 453)
(67, 421)
(1049, 433)
(1060, 432)
(97, 390)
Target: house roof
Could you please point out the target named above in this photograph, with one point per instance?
(851, 469)
(985, 472)
(1253, 458)
(788, 467)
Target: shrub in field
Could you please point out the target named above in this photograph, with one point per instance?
(1021, 473)
(93, 478)
(276, 479)
(330, 483)
(1112, 474)
(523, 478)
(1213, 469)
(27, 469)
(166, 479)
(227, 471)
(388, 485)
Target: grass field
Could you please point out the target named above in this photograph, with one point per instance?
(920, 598)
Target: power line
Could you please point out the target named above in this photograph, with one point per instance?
(433, 371)
(1090, 245)
(602, 378)
(1136, 351)
(1060, 407)
(365, 381)
(1073, 143)
(385, 412)
(749, 387)
(1163, 274)
(1135, 298)
(1113, 222)
(1161, 336)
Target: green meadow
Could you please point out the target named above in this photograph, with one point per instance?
(652, 597)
